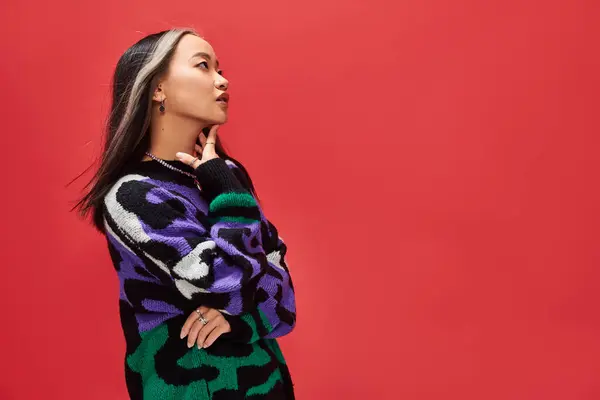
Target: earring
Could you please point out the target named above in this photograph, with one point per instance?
(162, 106)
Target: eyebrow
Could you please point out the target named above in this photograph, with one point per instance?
(205, 55)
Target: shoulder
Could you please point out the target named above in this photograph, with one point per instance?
(137, 199)
(127, 189)
(152, 193)
(131, 189)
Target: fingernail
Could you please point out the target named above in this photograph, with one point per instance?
(182, 335)
(190, 345)
(199, 346)
(206, 345)
(178, 155)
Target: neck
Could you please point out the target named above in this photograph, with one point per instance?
(170, 134)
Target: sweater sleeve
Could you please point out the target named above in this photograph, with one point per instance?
(209, 256)
(274, 316)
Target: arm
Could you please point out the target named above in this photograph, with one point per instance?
(275, 314)
(217, 259)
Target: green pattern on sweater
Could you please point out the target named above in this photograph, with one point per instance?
(142, 361)
(232, 199)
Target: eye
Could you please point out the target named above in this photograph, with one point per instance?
(203, 63)
(220, 72)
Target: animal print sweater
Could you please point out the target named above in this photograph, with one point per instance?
(176, 247)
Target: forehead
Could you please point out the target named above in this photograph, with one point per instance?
(189, 45)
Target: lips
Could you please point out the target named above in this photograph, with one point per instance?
(224, 98)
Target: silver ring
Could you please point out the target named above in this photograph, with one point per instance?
(209, 143)
(194, 160)
(201, 317)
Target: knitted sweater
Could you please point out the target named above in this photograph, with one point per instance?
(175, 248)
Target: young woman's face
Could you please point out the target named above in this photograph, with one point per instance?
(193, 83)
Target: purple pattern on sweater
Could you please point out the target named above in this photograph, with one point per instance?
(227, 278)
(126, 267)
(147, 321)
(158, 306)
(235, 303)
(187, 192)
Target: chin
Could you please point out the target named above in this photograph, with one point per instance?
(218, 118)
(221, 119)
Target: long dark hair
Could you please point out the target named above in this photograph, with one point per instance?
(127, 129)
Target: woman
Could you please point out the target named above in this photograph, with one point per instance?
(204, 287)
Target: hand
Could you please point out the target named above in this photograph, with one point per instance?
(204, 335)
(206, 149)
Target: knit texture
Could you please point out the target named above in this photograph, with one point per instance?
(175, 248)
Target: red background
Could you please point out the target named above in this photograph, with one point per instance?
(433, 166)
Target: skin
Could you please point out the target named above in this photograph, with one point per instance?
(204, 335)
(195, 330)
(189, 92)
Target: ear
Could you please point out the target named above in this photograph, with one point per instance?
(159, 93)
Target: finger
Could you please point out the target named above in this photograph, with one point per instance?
(218, 331)
(209, 145)
(211, 315)
(205, 331)
(192, 337)
(196, 332)
(202, 139)
(187, 159)
(198, 149)
(212, 135)
(193, 317)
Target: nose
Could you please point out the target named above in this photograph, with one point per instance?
(221, 83)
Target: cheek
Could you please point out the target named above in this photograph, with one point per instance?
(190, 89)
